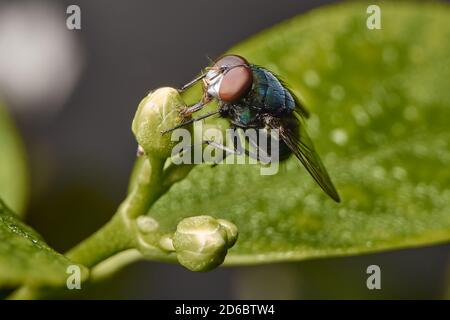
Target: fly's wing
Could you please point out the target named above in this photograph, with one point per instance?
(299, 107)
(292, 132)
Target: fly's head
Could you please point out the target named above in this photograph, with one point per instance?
(229, 79)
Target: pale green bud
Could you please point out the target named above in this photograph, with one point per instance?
(202, 242)
(157, 112)
(231, 230)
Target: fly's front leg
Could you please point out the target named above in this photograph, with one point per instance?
(198, 106)
(192, 82)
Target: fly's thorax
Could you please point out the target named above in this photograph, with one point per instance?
(270, 93)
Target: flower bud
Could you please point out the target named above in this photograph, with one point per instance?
(202, 242)
(231, 230)
(157, 112)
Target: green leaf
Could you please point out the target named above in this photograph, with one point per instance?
(13, 169)
(380, 108)
(25, 258)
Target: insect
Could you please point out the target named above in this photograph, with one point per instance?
(251, 96)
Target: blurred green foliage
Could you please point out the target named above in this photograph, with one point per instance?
(13, 169)
(25, 258)
(380, 109)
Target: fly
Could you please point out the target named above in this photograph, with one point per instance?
(251, 96)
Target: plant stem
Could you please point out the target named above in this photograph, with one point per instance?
(148, 182)
(112, 238)
(116, 235)
(110, 266)
(146, 190)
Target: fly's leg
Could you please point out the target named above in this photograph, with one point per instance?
(263, 150)
(238, 150)
(192, 82)
(198, 106)
(226, 151)
(191, 121)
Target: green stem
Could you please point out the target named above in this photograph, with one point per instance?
(112, 238)
(110, 266)
(149, 181)
(145, 189)
(117, 235)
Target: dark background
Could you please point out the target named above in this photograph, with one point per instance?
(81, 154)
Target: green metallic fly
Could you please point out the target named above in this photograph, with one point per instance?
(251, 96)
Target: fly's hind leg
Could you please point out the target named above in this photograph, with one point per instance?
(224, 148)
(226, 151)
(266, 149)
(238, 150)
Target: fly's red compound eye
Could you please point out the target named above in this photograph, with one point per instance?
(237, 79)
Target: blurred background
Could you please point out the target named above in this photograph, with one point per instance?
(73, 94)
